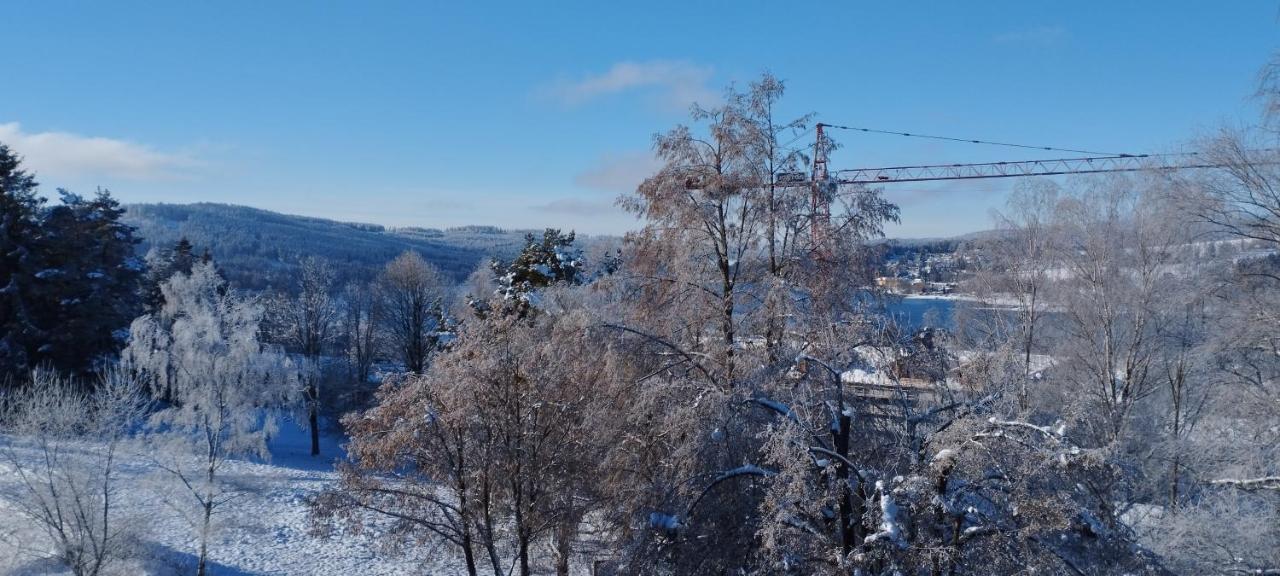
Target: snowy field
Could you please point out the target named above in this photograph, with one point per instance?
(265, 530)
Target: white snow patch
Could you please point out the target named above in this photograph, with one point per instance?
(266, 529)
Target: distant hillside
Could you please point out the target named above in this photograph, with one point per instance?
(258, 248)
(978, 236)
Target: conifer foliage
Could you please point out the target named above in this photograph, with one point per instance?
(542, 263)
(20, 211)
(68, 275)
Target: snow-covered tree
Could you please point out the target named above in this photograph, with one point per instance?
(201, 352)
(359, 326)
(704, 218)
(162, 264)
(773, 149)
(727, 284)
(69, 279)
(63, 447)
(1115, 255)
(494, 449)
(307, 322)
(1224, 450)
(411, 296)
(541, 263)
(1018, 261)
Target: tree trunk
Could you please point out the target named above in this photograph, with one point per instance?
(522, 532)
(464, 513)
(848, 521)
(1028, 341)
(314, 418)
(772, 333)
(201, 568)
(524, 553)
(564, 542)
(207, 502)
(487, 503)
(468, 554)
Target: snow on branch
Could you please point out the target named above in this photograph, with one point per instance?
(1262, 483)
(780, 408)
(976, 531)
(667, 523)
(890, 529)
(1059, 447)
(744, 470)
(820, 450)
(1052, 433)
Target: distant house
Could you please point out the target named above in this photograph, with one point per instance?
(910, 285)
(940, 287)
(889, 283)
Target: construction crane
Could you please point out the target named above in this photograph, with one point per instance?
(1097, 162)
(1057, 166)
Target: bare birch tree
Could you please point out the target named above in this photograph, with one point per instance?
(1116, 253)
(360, 318)
(1020, 258)
(411, 298)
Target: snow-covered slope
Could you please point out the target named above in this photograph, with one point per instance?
(265, 530)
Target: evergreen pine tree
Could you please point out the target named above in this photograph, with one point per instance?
(20, 210)
(68, 276)
(551, 260)
(90, 289)
(162, 264)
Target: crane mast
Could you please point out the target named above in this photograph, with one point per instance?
(820, 204)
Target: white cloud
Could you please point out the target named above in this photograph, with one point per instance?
(676, 83)
(67, 155)
(618, 173)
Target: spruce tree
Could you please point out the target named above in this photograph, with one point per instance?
(69, 279)
(162, 264)
(543, 262)
(90, 289)
(20, 210)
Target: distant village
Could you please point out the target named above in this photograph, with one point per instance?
(922, 268)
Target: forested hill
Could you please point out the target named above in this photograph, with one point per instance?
(258, 248)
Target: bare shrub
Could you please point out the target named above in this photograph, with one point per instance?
(63, 449)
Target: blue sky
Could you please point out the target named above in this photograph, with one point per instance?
(531, 114)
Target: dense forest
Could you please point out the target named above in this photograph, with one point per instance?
(258, 249)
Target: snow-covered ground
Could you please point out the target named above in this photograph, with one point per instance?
(265, 530)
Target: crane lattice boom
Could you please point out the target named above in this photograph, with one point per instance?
(1089, 165)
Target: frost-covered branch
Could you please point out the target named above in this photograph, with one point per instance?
(891, 520)
(1251, 484)
(744, 470)
(664, 343)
